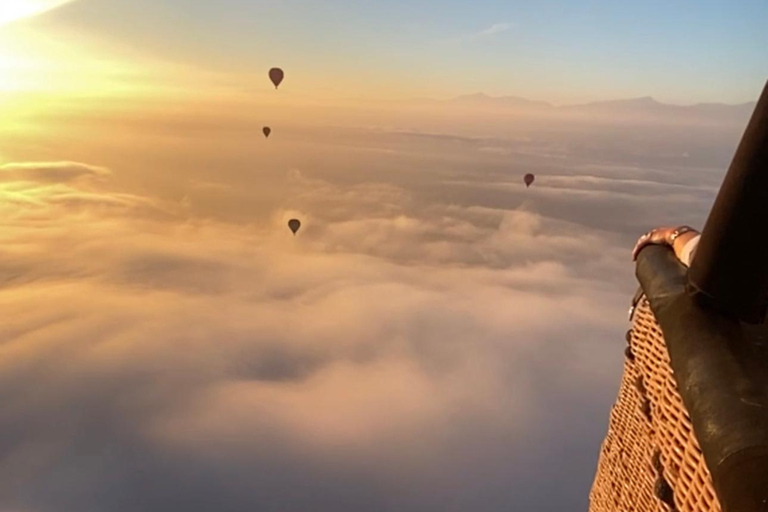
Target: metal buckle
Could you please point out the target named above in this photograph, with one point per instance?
(635, 300)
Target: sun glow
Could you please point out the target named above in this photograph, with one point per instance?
(42, 64)
(32, 61)
(19, 63)
(12, 10)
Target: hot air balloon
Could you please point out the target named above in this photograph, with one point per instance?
(294, 224)
(276, 75)
(267, 130)
(528, 179)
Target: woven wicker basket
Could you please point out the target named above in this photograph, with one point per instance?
(650, 460)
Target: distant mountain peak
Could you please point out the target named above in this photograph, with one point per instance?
(628, 106)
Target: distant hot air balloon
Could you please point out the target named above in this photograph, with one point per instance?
(294, 224)
(267, 130)
(276, 75)
(528, 179)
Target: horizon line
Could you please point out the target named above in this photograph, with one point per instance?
(648, 98)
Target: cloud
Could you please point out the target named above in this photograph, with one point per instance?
(436, 337)
(55, 192)
(52, 172)
(496, 28)
(210, 363)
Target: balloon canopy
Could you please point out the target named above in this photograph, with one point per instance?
(267, 130)
(528, 179)
(294, 224)
(276, 75)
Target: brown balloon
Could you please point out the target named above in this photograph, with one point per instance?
(528, 179)
(267, 130)
(294, 224)
(276, 75)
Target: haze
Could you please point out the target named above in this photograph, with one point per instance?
(437, 337)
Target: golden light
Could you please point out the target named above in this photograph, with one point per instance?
(12, 10)
(32, 60)
(41, 64)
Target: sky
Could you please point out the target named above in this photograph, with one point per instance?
(436, 337)
(556, 50)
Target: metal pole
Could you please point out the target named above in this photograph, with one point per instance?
(730, 270)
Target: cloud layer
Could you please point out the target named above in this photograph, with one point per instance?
(437, 338)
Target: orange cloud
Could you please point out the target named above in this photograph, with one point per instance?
(135, 327)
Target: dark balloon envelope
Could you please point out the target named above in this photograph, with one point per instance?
(276, 75)
(267, 130)
(528, 179)
(294, 224)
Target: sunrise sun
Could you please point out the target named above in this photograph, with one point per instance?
(12, 10)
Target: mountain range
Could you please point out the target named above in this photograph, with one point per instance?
(634, 106)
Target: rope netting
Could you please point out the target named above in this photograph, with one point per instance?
(650, 460)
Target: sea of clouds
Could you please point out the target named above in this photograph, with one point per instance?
(437, 337)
